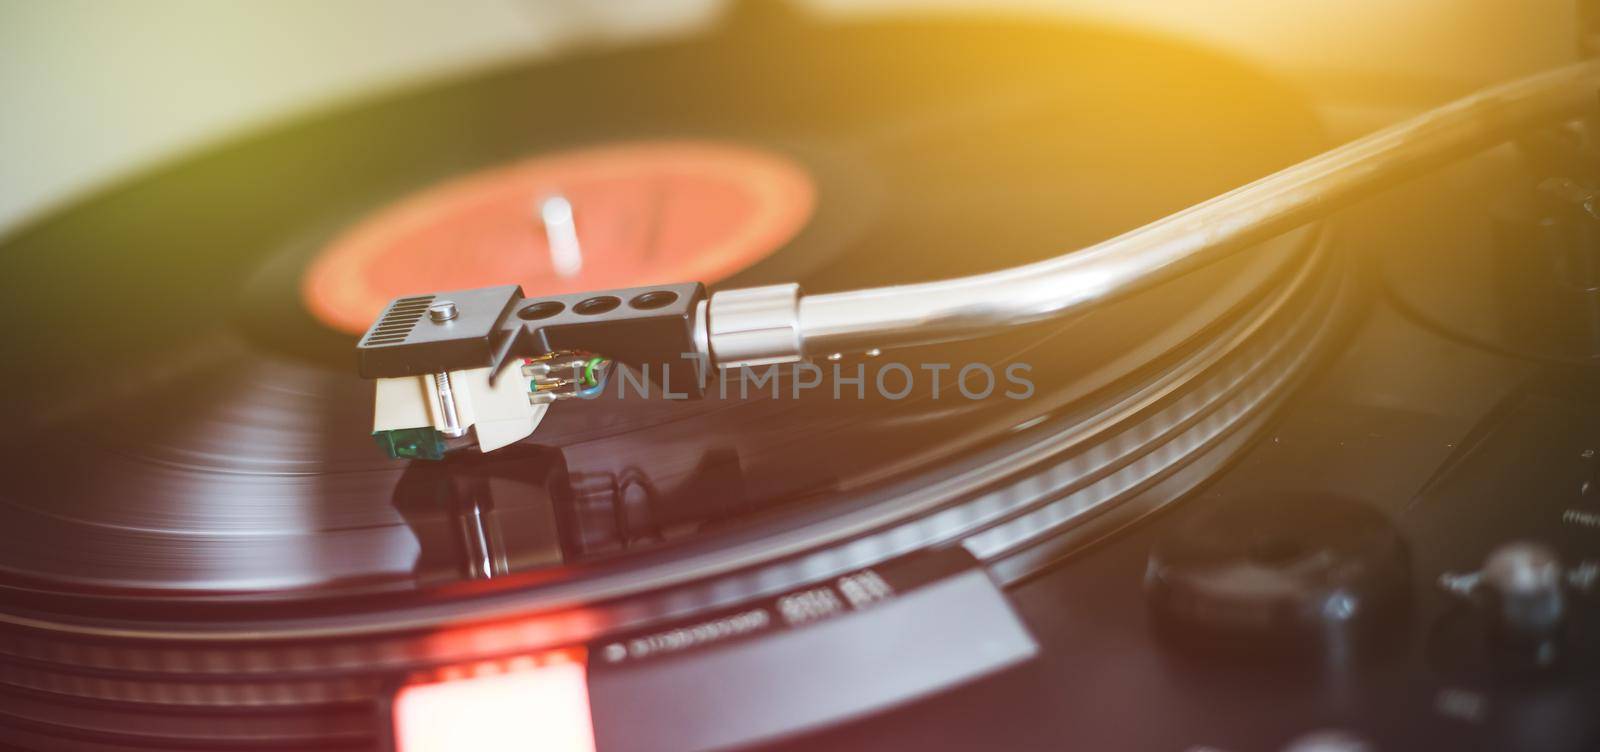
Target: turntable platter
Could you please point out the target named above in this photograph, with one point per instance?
(186, 424)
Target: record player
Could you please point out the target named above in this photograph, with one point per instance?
(915, 381)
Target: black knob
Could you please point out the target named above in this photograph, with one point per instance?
(1527, 582)
(1279, 575)
(1522, 589)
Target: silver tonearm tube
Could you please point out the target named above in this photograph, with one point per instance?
(778, 324)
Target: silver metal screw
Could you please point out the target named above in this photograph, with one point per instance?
(452, 427)
(443, 311)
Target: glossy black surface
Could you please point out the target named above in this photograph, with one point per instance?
(182, 429)
(184, 439)
(1461, 446)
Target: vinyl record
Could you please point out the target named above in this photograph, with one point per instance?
(202, 547)
(185, 420)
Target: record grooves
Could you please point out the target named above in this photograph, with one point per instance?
(202, 543)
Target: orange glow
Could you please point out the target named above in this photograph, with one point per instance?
(528, 704)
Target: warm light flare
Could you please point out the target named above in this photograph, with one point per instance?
(526, 707)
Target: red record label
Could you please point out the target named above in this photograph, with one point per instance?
(619, 215)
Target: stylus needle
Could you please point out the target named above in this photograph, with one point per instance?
(566, 256)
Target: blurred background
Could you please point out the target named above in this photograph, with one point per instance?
(94, 90)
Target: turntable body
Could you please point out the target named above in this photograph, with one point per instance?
(203, 549)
